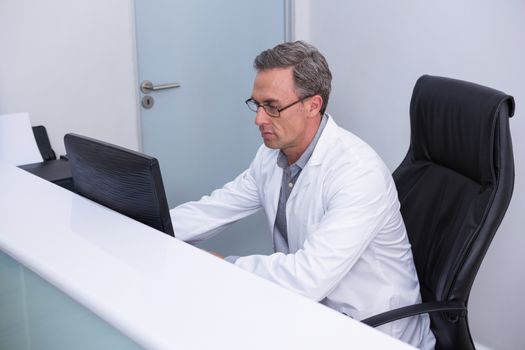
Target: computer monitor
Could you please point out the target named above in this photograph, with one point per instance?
(121, 179)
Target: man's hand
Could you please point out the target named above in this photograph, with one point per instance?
(217, 255)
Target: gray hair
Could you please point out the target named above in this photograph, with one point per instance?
(310, 69)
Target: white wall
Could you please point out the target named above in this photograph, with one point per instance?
(377, 49)
(71, 65)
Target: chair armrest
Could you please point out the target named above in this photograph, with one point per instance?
(416, 309)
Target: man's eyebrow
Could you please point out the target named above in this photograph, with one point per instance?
(269, 101)
(266, 101)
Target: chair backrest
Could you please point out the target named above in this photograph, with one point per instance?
(454, 185)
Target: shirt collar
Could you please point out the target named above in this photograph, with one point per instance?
(282, 161)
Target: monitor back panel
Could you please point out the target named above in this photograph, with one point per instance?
(121, 179)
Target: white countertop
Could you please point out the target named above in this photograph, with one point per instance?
(157, 290)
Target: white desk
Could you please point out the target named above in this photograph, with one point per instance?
(159, 291)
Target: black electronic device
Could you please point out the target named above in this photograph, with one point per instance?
(126, 181)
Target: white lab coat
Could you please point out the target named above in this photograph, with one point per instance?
(347, 241)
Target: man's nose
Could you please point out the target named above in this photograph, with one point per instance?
(261, 117)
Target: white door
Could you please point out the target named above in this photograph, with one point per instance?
(202, 132)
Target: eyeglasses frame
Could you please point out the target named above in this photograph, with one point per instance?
(279, 110)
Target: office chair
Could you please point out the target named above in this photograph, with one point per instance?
(454, 186)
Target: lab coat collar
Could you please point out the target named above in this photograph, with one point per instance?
(323, 146)
(325, 142)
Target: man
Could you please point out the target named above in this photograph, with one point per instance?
(330, 201)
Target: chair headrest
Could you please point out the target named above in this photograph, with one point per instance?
(453, 123)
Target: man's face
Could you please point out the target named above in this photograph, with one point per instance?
(289, 131)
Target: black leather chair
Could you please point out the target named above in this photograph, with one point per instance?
(454, 185)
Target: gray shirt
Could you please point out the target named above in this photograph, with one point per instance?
(290, 175)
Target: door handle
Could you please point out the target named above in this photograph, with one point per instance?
(147, 86)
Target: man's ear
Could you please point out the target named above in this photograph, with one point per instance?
(315, 105)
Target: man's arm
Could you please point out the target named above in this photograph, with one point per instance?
(357, 210)
(198, 220)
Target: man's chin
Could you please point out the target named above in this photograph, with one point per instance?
(270, 144)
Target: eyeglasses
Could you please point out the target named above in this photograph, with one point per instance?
(272, 111)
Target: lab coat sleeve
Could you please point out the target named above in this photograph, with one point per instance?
(357, 207)
(199, 220)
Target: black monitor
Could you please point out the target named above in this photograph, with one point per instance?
(121, 179)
